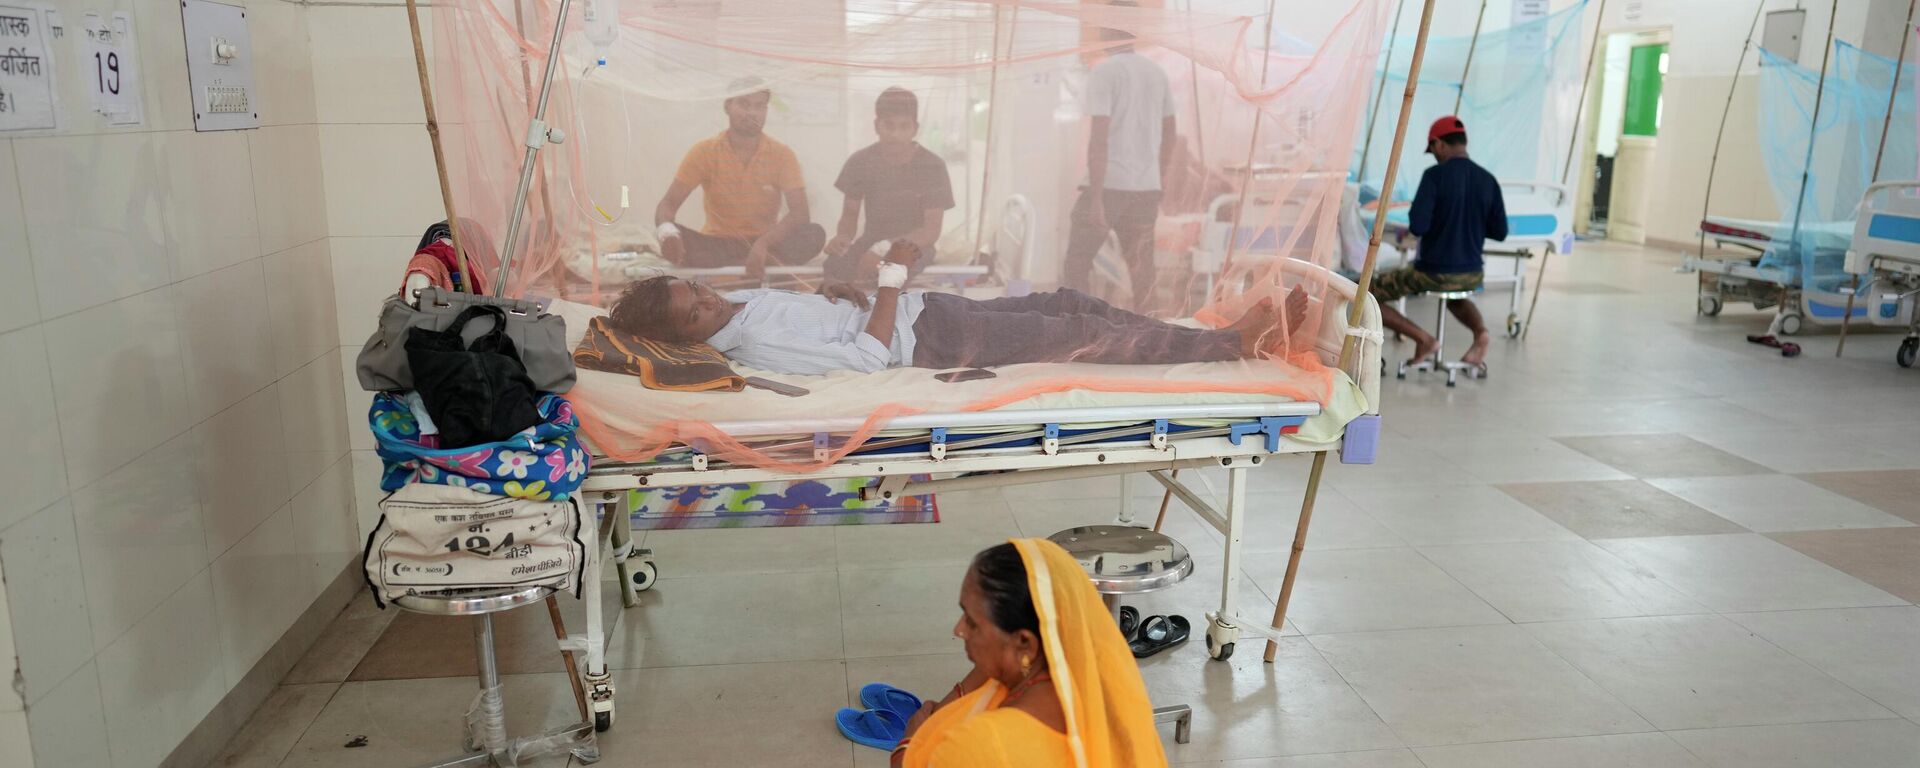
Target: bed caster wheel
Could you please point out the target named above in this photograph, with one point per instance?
(1789, 325)
(602, 722)
(644, 575)
(1514, 327)
(1220, 640)
(1710, 305)
(1908, 348)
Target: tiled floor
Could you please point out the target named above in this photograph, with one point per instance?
(1642, 542)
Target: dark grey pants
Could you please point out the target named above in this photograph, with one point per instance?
(1059, 327)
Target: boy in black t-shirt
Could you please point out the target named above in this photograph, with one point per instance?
(903, 188)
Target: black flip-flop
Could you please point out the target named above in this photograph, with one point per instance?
(1159, 633)
(1129, 621)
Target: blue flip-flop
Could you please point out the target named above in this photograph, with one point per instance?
(877, 728)
(891, 699)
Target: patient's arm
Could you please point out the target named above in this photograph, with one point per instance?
(849, 227)
(886, 303)
(672, 248)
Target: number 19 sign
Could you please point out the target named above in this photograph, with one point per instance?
(112, 67)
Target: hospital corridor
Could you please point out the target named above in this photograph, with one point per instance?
(960, 383)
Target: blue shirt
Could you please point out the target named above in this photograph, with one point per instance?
(805, 333)
(1457, 209)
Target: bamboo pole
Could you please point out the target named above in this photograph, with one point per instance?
(1380, 92)
(1886, 124)
(1466, 69)
(993, 101)
(1573, 141)
(1356, 314)
(1706, 200)
(469, 279)
(1813, 129)
(1253, 142)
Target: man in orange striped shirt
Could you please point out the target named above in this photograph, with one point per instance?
(744, 175)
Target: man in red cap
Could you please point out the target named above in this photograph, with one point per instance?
(1455, 211)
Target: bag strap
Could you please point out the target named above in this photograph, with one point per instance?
(499, 320)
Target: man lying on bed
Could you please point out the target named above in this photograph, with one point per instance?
(841, 328)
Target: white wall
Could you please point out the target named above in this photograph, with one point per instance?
(1707, 36)
(178, 492)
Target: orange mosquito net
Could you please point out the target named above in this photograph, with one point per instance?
(1004, 97)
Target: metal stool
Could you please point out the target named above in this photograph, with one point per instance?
(1436, 361)
(1123, 560)
(486, 741)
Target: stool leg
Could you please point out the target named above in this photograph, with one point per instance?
(1440, 334)
(1181, 716)
(1113, 607)
(488, 721)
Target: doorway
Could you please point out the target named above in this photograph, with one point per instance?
(1625, 128)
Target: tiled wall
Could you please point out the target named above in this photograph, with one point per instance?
(381, 188)
(179, 488)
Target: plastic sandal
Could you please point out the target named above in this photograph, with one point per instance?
(1159, 633)
(890, 699)
(875, 728)
(1129, 622)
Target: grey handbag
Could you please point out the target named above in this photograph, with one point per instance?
(540, 337)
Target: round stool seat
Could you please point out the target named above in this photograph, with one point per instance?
(1123, 560)
(1453, 295)
(474, 602)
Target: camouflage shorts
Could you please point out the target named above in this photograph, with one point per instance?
(1396, 284)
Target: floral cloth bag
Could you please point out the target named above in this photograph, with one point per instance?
(544, 462)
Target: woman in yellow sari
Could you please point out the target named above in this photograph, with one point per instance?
(1053, 682)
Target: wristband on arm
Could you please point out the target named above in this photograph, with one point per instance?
(667, 231)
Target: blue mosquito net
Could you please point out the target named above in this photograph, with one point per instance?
(1522, 91)
(1826, 189)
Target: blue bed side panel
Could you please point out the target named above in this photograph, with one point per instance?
(1531, 225)
(1885, 226)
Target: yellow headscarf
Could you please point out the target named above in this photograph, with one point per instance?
(1109, 717)
(1109, 720)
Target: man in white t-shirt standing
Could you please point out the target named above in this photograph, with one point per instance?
(1127, 154)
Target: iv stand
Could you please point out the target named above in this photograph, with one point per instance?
(538, 134)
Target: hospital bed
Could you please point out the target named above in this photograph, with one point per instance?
(1539, 222)
(1742, 277)
(1074, 434)
(1884, 255)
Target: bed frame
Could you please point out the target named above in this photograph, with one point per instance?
(1885, 255)
(1014, 447)
(1742, 278)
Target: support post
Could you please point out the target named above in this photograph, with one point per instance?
(1466, 69)
(1886, 123)
(470, 278)
(536, 138)
(1356, 314)
(1573, 141)
(1380, 91)
(1813, 129)
(1706, 200)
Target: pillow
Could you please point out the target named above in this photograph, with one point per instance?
(675, 367)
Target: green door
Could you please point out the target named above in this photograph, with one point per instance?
(1643, 91)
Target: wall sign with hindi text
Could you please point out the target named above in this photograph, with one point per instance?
(26, 71)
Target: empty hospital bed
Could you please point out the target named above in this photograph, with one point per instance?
(1745, 276)
(1884, 256)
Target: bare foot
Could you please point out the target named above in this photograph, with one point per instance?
(1477, 354)
(1423, 349)
(1253, 326)
(1297, 305)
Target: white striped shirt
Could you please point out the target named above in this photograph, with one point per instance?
(805, 333)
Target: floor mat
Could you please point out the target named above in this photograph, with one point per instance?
(771, 504)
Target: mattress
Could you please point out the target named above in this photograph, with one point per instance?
(616, 403)
(1824, 235)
